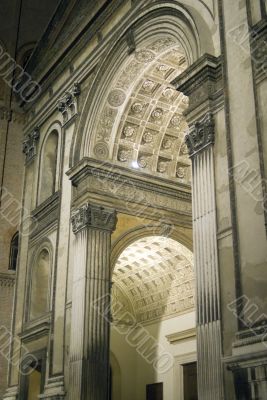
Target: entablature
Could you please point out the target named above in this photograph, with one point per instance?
(130, 191)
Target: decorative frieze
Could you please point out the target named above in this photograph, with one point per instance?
(67, 105)
(95, 178)
(93, 216)
(30, 145)
(201, 135)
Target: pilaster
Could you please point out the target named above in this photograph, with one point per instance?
(202, 83)
(89, 347)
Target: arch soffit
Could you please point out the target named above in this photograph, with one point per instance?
(170, 20)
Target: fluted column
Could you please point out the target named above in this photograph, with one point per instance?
(89, 347)
(210, 375)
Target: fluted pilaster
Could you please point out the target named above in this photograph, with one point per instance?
(202, 82)
(210, 382)
(89, 348)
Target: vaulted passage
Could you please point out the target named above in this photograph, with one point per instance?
(153, 313)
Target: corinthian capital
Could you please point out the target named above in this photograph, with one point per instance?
(201, 135)
(94, 216)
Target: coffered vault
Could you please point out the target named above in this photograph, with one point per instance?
(153, 278)
(141, 124)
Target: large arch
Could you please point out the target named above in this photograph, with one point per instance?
(170, 22)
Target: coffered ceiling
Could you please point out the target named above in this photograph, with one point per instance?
(142, 119)
(153, 278)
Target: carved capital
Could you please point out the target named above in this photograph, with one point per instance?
(94, 216)
(67, 105)
(29, 145)
(201, 135)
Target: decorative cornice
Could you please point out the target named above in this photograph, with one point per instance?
(67, 105)
(29, 145)
(181, 336)
(35, 331)
(201, 135)
(255, 334)
(202, 83)
(153, 197)
(45, 215)
(245, 360)
(94, 216)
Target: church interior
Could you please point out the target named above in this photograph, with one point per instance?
(133, 200)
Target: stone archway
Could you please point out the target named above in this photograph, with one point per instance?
(137, 146)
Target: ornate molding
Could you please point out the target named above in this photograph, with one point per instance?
(94, 216)
(201, 135)
(36, 331)
(45, 215)
(67, 105)
(181, 336)
(146, 196)
(202, 83)
(30, 145)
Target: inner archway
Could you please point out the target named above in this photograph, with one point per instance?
(152, 302)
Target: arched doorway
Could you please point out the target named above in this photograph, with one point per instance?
(152, 315)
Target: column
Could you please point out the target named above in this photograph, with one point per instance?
(202, 83)
(89, 347)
